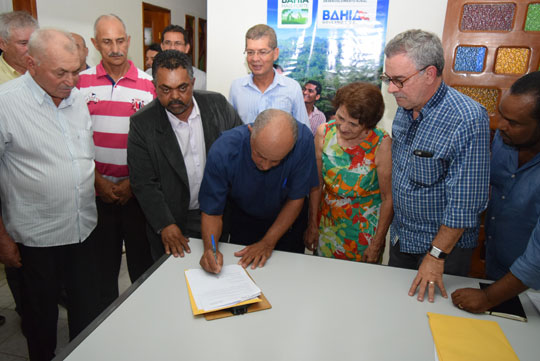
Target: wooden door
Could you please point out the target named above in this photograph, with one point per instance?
(26, 5)
(155, 19)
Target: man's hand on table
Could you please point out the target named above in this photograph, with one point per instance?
(471, 299)
(174, 241)
(208, 261)
(429, 275)
(256, 254)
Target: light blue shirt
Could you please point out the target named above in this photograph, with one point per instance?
(284, 93)
(46, 166)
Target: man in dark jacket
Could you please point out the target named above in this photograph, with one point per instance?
(167, 146)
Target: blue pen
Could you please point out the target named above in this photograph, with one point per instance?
(214, 248)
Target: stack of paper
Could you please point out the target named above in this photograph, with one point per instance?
(230, 287)
(460, 338)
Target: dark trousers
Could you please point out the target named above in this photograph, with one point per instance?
(13, 277)
(458, 262)
(45, 270)
(118, 224)
(246, 230)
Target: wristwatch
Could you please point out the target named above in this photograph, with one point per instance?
(437, 253)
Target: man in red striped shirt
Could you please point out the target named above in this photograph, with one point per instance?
(114, 90)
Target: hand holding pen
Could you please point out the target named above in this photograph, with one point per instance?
(212, 259)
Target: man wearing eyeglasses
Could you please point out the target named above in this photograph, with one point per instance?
(265, 88)
(175, 37)
(440, 161)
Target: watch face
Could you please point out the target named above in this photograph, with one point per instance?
(437, 253)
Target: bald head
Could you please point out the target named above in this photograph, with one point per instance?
(273, 135)
(53, 62)
(44, 43)
(82, 49)
(108, 18)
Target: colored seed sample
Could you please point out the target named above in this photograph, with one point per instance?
(470, 58)
(533, 18)
(512, 60)
(487, 17)
(485, 96)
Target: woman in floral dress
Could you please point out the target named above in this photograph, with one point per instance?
(351, 211)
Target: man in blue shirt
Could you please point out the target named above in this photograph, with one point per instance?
(440, 164)
(262, 171)
(265, 88)
(512, 254)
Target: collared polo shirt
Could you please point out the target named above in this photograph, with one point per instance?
(514, 207)
(440, 170)
(46, 166)
(284, 93)
(110, 105)
(7, 73)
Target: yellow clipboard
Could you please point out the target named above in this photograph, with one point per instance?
(257, 304)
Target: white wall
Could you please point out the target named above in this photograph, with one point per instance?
(6, 6)
(226, 31)
(79, 15)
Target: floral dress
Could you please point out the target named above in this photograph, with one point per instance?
(351, 199)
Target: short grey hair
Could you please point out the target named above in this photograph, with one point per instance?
(15, 20)
(108, 16)
(258, 31)
(424, 48)
(266, 117)
(40, 41)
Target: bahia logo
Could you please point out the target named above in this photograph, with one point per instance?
(345, 15)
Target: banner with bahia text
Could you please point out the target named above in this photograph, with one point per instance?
(335, 42)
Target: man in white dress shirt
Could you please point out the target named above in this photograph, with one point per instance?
(47, 190)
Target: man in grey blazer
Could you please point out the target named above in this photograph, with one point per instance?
(167, 146)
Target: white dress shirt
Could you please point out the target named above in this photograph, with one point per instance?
(46, 166)
(190, 137)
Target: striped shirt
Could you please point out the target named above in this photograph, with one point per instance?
(440, 170)
(110, 105)
(46, 166)
(316, 118)
(284, 93)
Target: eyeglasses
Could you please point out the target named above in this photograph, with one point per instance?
(399, 83)
(261, 53)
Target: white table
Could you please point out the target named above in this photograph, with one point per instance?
(322, 309)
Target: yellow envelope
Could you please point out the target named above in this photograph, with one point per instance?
(461, 338)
